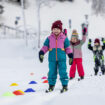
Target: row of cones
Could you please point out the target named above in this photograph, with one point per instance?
(20, 92)
(32, 82)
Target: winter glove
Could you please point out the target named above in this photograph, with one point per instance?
(65, 32)
(90, 40)
(41, 56)
(84, 29)
(70, 58)
(103, 40)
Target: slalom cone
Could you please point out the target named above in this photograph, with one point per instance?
(18, 93)
(44, 77)
(9, 94)
(33, 82)
(14, 84)
(29, 90)
(46, 81)
(31, 74)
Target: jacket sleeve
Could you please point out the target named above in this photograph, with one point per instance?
(89, 46)
(84, 34)
(67, 47)
(103, 47)
(45, 47)
(83, 39)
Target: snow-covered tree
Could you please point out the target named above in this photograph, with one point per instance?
(98, 6)
(1, 9)
(39, 3)
(65, 0)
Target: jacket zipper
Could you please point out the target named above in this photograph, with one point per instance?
(56, 49)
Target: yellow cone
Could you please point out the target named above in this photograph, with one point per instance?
(20, 91)
(14, 84)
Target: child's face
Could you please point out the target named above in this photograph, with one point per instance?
(96, 44)
(74, 40)
(56, 31)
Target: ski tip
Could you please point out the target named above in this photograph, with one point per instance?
(79, 79)
(46, 91)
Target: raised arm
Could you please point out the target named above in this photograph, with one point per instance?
(84, 33)
(103, 40)
(89, 45)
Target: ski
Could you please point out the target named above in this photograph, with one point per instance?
(63, 90)
(79, 79)
(48, 91)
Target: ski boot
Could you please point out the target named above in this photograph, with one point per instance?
(81, 78)
(103, 72)
(96, 69)
(64, 89)
(95, 73)
(71, 78)
(50, 89)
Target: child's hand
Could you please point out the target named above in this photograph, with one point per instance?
(70, 61)
(84, 28)
(41, 56)
(70, 58)
(84, 31)
(90, 40)
(102, 39)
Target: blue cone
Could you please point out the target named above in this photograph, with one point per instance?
(33, 82)
(29, 90)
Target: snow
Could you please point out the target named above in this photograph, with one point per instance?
(17, 61)
(87, 92)
(56, 10)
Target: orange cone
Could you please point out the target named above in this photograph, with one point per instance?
(18, 93)
(31, 74)
(46, 81)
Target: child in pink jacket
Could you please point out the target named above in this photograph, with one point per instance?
(76, 45)
(58, 46)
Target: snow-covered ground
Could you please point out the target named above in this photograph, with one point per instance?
(17, 61)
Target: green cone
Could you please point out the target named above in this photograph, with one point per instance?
(8, 94)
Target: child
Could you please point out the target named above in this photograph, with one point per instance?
(58, 45)
(76, 47)
(98, 55)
